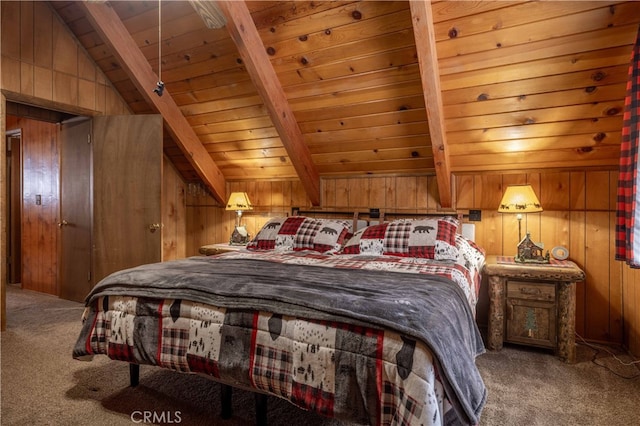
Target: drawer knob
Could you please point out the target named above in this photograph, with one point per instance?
(530, 291)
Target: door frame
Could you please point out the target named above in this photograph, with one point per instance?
(36, 102)
(14, 206)
(3, 214)
(18, 98)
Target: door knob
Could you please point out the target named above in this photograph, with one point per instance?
(63, 223)
(154, 226)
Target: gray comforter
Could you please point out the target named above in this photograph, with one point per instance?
(428, 308)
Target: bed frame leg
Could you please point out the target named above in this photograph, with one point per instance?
(225, 401)
(134, 375)
(261, 409)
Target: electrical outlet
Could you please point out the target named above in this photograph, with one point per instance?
(475, 215)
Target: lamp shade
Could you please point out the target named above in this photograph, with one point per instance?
(239, 201)
(519, 199)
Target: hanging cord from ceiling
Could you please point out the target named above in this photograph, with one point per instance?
(159, 90)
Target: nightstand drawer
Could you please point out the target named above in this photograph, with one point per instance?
(531, 290)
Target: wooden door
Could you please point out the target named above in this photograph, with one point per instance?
(75, 209)
(127, 170)
(40, 205)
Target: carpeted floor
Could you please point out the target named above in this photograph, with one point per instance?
(42, 385)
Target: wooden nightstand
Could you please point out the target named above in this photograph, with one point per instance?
(539, 301)
(212, 249)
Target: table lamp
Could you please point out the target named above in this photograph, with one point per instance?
(519, 199)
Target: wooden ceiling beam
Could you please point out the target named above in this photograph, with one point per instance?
(252, 51)
(115, 35)
(424, 34)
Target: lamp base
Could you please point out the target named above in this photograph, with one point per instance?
(239, 237)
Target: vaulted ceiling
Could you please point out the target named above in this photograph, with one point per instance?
(310, 89)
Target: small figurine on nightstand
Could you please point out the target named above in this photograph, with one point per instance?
(530, 252)
(239, 237)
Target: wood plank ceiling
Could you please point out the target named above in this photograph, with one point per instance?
(491, 86)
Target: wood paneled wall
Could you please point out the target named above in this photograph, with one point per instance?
(43, 64)
(579, 214)
(174, 213)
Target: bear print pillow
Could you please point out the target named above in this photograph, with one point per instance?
(424, 238)
(301, 233)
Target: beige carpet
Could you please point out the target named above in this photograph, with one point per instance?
(42, 385)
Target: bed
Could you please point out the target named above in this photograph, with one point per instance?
(372, 327)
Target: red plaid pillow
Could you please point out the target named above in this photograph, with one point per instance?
(425, 238)
(267, 237)
(367, 240)
(301, 233)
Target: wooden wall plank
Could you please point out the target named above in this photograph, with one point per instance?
(489, 189)
(43, 83)
(577, 192)
(26, 78)
(597, 197)
(633, 313)
(554, 191)
(26, 32)
(577, 253)
(65, 88)
(429, 193)
(597, 282)
(555, 230)
(65, 49)
(359, 193)
(615, 287)
(631, 307)
(406, 193)
(464, 192)
(10, 74)
(173, 213)
(43, 35)
(342, 192)
(491, 235)
(10, 29)
(377, 193)
(328, 193)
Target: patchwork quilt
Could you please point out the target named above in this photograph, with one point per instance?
(369, 339)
